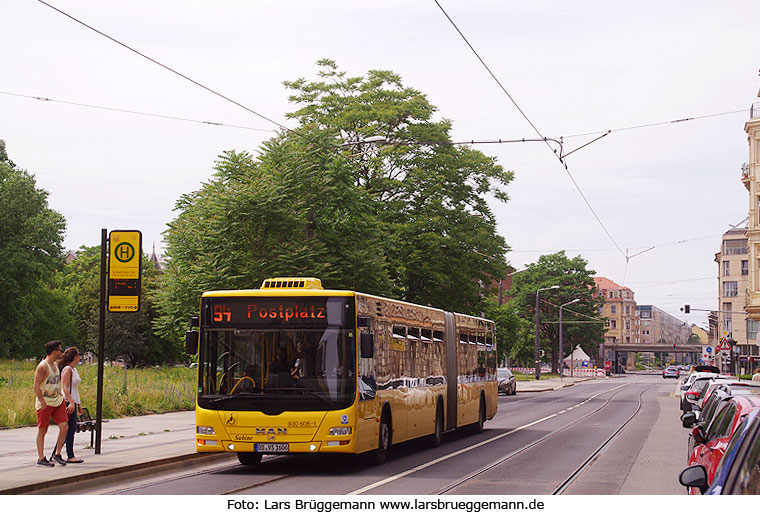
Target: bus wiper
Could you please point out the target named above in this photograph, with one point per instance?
(221, 398)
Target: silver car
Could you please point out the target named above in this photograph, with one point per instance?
(506, 381)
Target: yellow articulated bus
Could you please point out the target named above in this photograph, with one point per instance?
(294, 368)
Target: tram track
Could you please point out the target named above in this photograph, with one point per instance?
(579, 470)
(459, 482)
(569, 481)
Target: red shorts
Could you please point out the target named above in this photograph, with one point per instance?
(58, 414)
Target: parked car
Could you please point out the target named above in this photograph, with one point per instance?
(506, 382)
(737, 472)
(719, 391)
(711, 444)
(692, 389)
(671, 371)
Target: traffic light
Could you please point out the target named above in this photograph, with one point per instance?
(686, 309)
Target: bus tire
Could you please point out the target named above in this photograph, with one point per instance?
(383, 438)
(478, 426)
(437, 437)
(249, 458)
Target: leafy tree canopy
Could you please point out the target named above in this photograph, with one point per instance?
(31, 236)
(400, 219)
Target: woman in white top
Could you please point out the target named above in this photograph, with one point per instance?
(70, 381)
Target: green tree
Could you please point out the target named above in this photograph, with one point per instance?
(694, 339)
(514, 334)
(401, 220)
(31, 236)
(429, 194)
(581, 322)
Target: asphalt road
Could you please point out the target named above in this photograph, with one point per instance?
(584, 439)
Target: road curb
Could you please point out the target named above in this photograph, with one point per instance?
(195, 458)
(545, 389)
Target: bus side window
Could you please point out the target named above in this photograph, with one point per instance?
(367, 352)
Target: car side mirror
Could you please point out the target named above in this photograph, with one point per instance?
(694, 476)
(698, 434)
(688, 419)
(191, 342)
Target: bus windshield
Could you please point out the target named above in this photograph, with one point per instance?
(279, 366)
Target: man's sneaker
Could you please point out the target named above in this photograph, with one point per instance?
(44, 463)
(58, 459)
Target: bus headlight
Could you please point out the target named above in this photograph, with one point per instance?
(205, 430)
(340, 431)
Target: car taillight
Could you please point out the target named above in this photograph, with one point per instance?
(692, 393)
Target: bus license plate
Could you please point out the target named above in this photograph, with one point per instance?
(271, 447)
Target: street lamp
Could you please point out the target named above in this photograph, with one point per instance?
(538, 361)
(561, 349)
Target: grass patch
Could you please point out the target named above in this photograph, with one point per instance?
(142, 391)
(532, 376)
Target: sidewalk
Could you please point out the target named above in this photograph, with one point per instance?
(128, 444)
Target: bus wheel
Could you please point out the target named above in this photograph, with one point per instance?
(249, 458)
(437, 437)
(383, 440)
(478, 426)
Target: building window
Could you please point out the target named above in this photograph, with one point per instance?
(613, 309)
(735, 247)
(752, 328)
(745, 267)
(613, 324)
(726, 268)
(730, 288)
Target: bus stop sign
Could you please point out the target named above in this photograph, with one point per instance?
(124, 271)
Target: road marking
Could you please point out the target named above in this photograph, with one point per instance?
(471, 447)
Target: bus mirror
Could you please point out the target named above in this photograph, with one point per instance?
(191, 342)
(194, 322)
(367, 345)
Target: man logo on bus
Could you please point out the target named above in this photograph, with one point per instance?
(231, 420)
(271, 430)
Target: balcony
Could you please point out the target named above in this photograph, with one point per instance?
(745, 175)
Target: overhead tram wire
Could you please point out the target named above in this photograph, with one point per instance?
(649, 125)
(173, 71)
(135, 112)
(557, 154)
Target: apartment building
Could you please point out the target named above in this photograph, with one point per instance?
(749, 353)
(751, 179)
(656, 326)
(619, 309)
(733, 289)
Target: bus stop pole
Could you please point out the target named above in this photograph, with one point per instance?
(101, 339)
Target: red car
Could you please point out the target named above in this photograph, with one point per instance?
(711, 443)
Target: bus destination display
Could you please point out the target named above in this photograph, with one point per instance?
(278, 311)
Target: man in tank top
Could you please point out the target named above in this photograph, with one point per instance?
(49, 403)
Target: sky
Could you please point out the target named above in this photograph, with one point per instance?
(581, 67)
